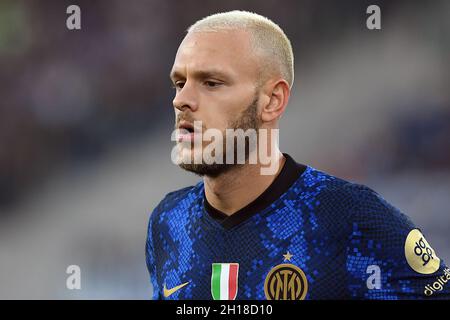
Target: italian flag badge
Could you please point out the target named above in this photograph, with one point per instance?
(224, 281)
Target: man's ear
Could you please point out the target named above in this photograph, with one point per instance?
(278, 93)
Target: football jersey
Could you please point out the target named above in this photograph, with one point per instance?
(309, 235)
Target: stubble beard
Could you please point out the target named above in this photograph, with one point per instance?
(247, 120)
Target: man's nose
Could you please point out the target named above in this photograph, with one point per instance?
(186, 98)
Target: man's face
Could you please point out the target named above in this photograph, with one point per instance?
(215, 75)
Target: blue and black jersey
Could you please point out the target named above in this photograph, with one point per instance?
(309, 235)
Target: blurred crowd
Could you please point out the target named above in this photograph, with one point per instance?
(68, 95)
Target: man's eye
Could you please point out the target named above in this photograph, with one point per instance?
(212, 84)
(178, 85)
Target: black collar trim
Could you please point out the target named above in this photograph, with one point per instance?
(290, 172)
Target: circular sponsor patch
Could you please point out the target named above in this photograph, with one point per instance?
(419, 254)
(286, 282)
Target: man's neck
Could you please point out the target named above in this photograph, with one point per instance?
(235, 189)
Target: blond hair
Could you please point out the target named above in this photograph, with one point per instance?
(267, 38)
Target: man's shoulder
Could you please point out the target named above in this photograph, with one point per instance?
(333, 193)
(372, 210)
(178, 197)
(179, 194)
(358, 203)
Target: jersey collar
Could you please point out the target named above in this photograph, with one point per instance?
(290, 172)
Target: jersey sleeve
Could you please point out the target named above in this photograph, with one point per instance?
(150, 257)
(389, 258)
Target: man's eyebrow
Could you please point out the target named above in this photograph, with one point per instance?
(200, 74)
(175, 75)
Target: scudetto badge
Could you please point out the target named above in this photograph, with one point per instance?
(224, 281)
(419, 254)
(286, 282)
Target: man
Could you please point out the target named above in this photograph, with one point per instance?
(290, 233)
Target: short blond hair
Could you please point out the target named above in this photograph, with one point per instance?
(268, 38)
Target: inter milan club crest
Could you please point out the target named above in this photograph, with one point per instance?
(286, 282)
(224, 281)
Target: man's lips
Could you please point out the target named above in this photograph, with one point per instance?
(185, 137)
(187, 132)
(186, 126)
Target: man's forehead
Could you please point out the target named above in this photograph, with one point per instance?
(218, 51)
(201, 71)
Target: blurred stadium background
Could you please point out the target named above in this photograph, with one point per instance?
(86, 116)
